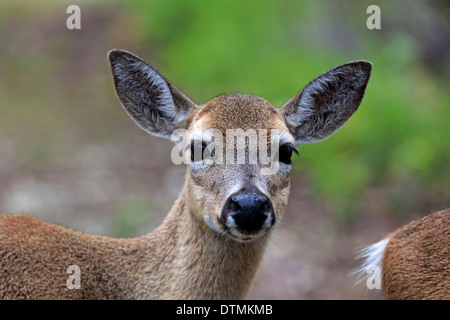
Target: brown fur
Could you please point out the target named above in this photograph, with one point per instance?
(416, 261)
(225, 112)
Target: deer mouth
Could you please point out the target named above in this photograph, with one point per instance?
(238, 236)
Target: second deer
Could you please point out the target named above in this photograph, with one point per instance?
(414, 260)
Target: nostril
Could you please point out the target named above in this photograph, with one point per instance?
(264, 207)
(263, 203)
(235, 205)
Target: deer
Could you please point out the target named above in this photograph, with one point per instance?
(414, 260)
(210, 244)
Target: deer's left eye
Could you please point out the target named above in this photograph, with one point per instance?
(285, 153)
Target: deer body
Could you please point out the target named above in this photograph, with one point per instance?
(415, 259)
(211, 243)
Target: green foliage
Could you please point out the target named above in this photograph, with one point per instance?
(273, 48)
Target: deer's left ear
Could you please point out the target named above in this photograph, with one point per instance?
(327, 102)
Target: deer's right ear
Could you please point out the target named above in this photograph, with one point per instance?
(152, 102)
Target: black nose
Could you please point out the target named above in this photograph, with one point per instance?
(249, 211)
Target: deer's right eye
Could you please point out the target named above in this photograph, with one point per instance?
(197, 148)
(201, 151)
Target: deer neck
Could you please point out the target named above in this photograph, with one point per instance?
(197, 262)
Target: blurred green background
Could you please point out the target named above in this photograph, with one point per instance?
(69, 154)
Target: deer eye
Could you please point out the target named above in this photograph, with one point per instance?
(200, 151)
(285, 153)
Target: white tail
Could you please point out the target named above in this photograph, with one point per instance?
(414, 260)
(210, 244)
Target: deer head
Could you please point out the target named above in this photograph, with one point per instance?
(237, 147)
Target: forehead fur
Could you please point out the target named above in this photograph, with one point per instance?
(240, 111)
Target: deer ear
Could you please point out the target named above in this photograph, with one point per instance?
(327, 102)
(151, 101)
